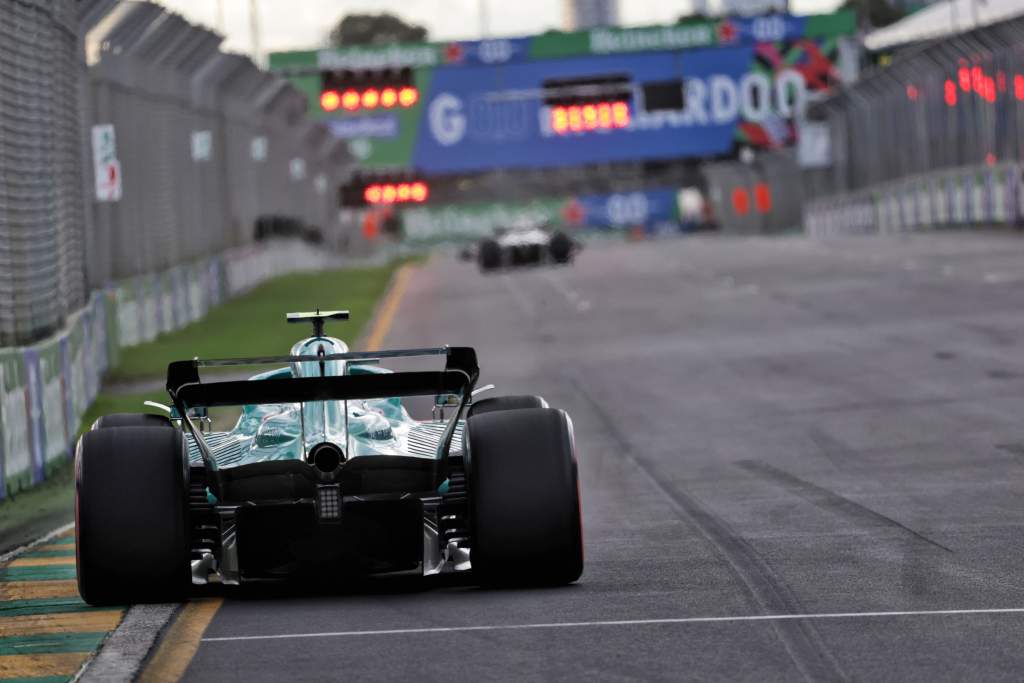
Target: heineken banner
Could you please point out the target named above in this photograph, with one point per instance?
(651, 209)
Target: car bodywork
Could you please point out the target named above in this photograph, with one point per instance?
(324, 469)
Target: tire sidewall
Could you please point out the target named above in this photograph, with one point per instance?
(131, 510)
(524, 497)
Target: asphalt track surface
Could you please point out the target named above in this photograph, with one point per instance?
(765, 427)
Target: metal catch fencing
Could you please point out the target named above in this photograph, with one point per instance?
(41, 191)
(946, 108)
(130, 144)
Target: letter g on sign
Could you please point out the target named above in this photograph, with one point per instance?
(447, 122)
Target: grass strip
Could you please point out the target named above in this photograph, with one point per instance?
(253, 324)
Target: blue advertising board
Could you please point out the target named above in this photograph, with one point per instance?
(480, 117)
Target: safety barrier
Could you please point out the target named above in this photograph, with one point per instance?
(45, 388)
(958, 197)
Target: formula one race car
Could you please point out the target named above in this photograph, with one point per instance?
(319, 471)
(522, 246)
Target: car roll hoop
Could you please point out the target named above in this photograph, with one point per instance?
(318, 318)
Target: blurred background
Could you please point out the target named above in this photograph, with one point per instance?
(157, 159)
(779, 295)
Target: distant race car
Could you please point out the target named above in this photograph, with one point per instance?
(521, 247)
(325, 474)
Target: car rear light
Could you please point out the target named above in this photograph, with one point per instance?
(328, 502)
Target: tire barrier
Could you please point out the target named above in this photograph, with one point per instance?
(980, 195)
(45, 388)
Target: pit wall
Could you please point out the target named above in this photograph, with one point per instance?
(948, 198)
(45, 388)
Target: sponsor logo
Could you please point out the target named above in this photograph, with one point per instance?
(605, 41)
(364, 127)
(392, 56)
(447, 120)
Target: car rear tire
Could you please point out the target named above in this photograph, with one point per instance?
(131, 516)
(524, 500)
(560, 247)
(496, 403)
(489, 256)
(131, 420)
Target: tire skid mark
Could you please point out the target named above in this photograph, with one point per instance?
(829, 500)
(766, 590)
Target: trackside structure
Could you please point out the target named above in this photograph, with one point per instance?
(143, 172)
(936, 139)
(598, 122)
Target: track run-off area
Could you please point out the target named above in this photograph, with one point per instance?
(801, 460)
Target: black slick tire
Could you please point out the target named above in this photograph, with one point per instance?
(131, 420)
(131, 516)
(560, 247)
(524, 501)
(489, 255)
(496, 403)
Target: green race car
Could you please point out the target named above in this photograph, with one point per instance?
(315, 468)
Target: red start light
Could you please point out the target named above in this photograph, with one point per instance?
(950, 93)
(963, 74)
(371, 98)
(408, 96)
(352, 99)
(581, 118)
(418, 192)
(396, 193)
(372, 194)
(977, 79)
(1018, 87)
(989, 88)
(330, 100)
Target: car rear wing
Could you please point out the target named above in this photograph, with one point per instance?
(461, 359)
(304, 389)
(458, 377)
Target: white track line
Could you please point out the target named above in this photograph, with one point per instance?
(623, 622)
(572, 297)
(524, 303)
(11, 554)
